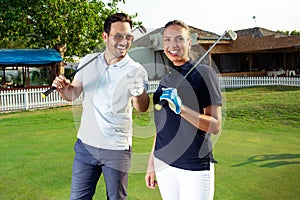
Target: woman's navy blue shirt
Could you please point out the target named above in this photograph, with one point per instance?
(179, 143)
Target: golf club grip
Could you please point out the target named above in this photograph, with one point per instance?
(49, 91)
(161, 104)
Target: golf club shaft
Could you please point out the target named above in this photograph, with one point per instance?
(50, 90)
(204, 55)
(233, 37)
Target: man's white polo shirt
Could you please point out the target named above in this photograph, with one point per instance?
(106, 120)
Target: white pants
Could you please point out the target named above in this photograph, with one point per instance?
(180, 184)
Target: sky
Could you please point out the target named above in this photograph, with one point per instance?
(218, 16)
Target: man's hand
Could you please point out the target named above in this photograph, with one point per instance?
(170, 95)
(137, 85)
(60, 82)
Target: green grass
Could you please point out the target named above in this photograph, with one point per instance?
(258, 150)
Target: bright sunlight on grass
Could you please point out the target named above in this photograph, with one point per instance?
(258, 150)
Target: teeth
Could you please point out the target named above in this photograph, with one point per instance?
(174, 52)
(121, 48)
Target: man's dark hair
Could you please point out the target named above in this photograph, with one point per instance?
(118, 17)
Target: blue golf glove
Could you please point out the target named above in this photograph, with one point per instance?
(170, 95)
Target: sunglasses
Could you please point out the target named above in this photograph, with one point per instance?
(120, 36)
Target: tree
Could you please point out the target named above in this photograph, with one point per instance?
(294, 32)
(72, 27)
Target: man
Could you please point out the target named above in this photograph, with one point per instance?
(110, 85)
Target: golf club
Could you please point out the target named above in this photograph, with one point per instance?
(142, 29)
(232, 36)
(46, 93)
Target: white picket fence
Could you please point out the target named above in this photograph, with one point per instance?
(26, 99)
(241, 82)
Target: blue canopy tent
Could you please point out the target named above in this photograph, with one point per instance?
(24, 65)
(29, 56)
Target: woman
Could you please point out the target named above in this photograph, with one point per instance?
(187, 111)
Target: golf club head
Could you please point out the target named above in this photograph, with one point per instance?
(142, 29)
(232, 34)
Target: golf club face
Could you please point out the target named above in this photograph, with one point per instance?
(232, 34)
(142, 29)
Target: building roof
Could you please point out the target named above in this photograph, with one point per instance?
(204, 35)
(260, 40)
(258, 32)
(29, 56)
(153, 39)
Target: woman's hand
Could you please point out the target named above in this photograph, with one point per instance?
(150, 180)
